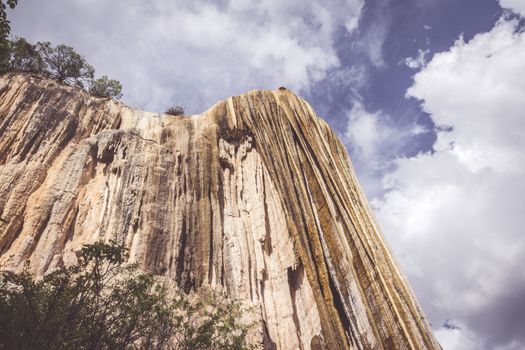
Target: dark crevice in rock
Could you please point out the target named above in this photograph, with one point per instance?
(294, 280)
(39, 230)
(225, 164)
(13, 229)
(268, 342)
(339, 306)
(236, 136)
(180, 256)
(71, 228)
(210, 255)
(157, 251)
(317, 343)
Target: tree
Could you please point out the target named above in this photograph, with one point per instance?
(5, 24)
(105, 87)
(61, 63)
(65, 65)
(175, 110)
(210, 322)
(25, 57)
(5, 29)
(102, 303)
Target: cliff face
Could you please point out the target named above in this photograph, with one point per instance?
(255, 197)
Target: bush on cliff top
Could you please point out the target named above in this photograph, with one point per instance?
(61, 63)
(64, 64)
(100, 303)
(105, 87)
(175, 110)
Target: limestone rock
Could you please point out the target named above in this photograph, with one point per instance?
(255, 197)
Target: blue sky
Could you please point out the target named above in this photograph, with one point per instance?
(428, 96)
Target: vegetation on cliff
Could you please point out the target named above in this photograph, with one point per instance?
(101, 303)
(105, 87)
(175, 110)
(61, 63)
(5, 29)
(5, 24)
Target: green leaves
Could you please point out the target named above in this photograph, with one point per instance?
(61, 63)
(5, 29)
(65, 65)
(105, 87)
(175, 110)
(5, 24)
(210, 321)
(10, 3)
(25, 57)
(101, 303)
(99, 251)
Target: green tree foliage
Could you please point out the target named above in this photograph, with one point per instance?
(105, 87)
(4, 55)
(175, 110)
(65, 65)
(25, 57)
(210, 322)
(100, 303)
(5, 29)
(5, 24)
(61, 63)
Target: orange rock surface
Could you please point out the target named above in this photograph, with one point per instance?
(255, 197)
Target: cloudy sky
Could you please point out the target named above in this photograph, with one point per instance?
(428, 96)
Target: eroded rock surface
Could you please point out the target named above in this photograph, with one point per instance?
(255, 197)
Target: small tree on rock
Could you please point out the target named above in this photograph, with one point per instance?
(65, 65)
(105, 87)
(175, 110)
(5, 29)
(61, 63)
(24, 57)
(5, 26)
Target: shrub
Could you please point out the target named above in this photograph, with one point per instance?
(5, 24)
(65, 65)
(24, 57)
(61, 63)
(105, 87)
(175, 110)
(99, 303)
(236, 136)
(5, 29)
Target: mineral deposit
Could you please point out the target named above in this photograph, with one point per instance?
(255, 198)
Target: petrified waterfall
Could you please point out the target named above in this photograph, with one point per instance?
(255, 197)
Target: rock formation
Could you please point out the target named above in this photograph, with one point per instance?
(255, 197)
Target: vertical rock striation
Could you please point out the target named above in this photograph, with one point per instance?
(255, 197)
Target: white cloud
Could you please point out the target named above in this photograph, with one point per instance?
(454, 217)
(365, 135)
(469, 87)
(457, 338)
(419, 61)
(372, 41)
(352, 22)
(365, 132)
(517, 6)
(418, 130)
(375, 142)
(195, 52)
